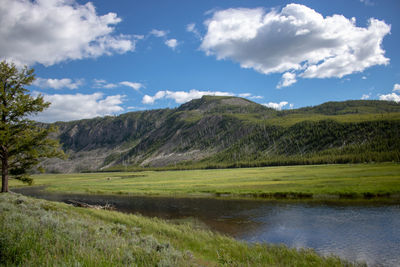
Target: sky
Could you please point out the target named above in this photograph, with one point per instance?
(106, 57)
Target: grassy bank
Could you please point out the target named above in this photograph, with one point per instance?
(42, 233)
(346, 180)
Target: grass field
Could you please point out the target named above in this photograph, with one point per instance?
(43, 233)
(358, 180)
(291, 119)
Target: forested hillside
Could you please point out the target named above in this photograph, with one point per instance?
(216, 132)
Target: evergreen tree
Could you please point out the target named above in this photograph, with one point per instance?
(22, 142)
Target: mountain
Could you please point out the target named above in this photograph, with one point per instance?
(217, 131)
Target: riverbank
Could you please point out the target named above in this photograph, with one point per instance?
(39, 232)
(320, 182)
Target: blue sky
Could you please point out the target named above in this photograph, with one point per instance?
(110, 57)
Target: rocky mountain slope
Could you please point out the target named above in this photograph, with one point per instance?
(229, 131)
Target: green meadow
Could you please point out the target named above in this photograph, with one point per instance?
(42, 233)
(290, 119)
(347, 180)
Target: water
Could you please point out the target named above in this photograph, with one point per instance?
(368, 233)
(362, 233)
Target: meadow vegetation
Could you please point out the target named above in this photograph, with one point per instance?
(42, 233)
(312, 181)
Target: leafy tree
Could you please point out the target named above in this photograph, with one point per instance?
(22, 141)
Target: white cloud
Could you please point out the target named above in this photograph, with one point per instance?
(390, 97)
(136, 108)
(138, 36)
(172, 43)
(278, 106)
(135, 86)
(110, 85)
(100, 83)
(244, 95)
(296, 39)
(250, 96)
(151, 99)
(365, 96)
(288, 78)
(57, 83)
(79, 106)
(148, 99)
(192, 28)
(181, 96)
(52, 31)
(158, 33)
(393, 96)
(367, 2)
(364, 77)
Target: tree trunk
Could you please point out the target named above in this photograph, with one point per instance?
(4, 174)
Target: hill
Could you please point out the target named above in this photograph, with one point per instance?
(216, 131)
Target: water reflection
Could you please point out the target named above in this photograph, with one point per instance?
(362, 233)
(369, 233)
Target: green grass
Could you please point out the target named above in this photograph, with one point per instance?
(347, 180)
(43, 233)
(288, 120)
(291, 119)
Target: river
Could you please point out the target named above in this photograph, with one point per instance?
(368, 232)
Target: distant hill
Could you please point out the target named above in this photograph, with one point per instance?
(350, 107)
(216, 131)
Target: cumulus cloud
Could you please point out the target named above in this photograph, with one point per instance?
(288, 78)
(100, 83)
(365, 96)
(367, 2)
(138, 36)
(158, 33)
(181, 96)
(66, 107)
(278, 106)
(172, 43)
(135, 86)
(250, 96)
(135, 108)
(191, 27)
(296, 39)
(390, 97)
(57, 83)
(52, 31)
(245, 95)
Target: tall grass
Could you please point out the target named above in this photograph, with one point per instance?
(42, 233)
